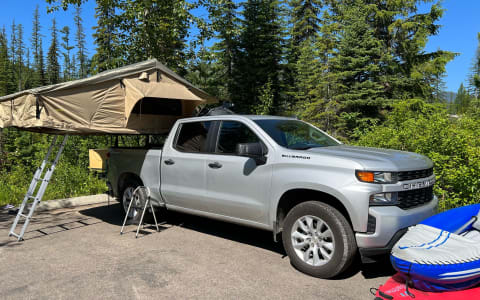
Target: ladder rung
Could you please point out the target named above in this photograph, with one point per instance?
(14, 234)
(22, 215)
(32, 197)
(39, 179)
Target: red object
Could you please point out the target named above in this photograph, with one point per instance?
(394, 289)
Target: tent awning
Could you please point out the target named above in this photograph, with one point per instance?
(143, 98)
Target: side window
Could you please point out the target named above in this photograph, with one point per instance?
(232, 133)
(193, 137)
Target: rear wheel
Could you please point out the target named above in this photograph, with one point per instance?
(318, 239)
(139, 200)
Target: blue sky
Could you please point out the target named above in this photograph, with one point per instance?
(21, 11)
(460, 25)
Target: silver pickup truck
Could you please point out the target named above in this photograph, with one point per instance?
(327, 200)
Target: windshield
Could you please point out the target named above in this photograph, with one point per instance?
(294, 134)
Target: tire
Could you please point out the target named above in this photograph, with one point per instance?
(333, 240)
(127, 191)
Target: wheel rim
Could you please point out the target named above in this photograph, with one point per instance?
(313, 241)
(127, 197)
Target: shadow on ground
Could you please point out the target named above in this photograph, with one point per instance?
(42, 224)
(5, 217)
(113, 214)
(380, 268)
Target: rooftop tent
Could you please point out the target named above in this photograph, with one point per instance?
(143, 98)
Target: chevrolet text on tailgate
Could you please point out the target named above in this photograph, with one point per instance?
(326, 200)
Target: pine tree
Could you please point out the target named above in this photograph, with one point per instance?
(439, 88)
(80, 43)
(266, 98)
(369, 54)
(27, 71)
(305, 23)
(306, 68)
(5, 81)
(73, 65)
(19, 57)
(304, 31)
(225, 23)
(144, 29)
(474, 76)
(206, 74)
(53, 67)
(12, 85)
(67, 63)
(106, 56)
(356, 67)
(155, 30)
(13, 43)
(36, 40)
(41, 65)
(313, 76)
(260, 54)
(410, 72)
(462, 100)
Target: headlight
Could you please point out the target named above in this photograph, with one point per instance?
(376, 177)
(384, 199)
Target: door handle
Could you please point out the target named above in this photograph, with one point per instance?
(169, 162)
(215, 165)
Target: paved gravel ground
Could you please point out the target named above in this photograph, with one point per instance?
(78, 253)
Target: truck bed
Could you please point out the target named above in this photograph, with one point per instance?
(142, 162)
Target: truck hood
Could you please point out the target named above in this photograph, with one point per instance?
(375, 159)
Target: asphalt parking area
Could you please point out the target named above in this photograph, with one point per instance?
(79, 253)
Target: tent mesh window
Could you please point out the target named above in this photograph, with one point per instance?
(158, 106)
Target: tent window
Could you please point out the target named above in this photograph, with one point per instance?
(158, 106)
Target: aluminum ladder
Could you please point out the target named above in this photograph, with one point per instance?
(136, 198)
(32, 192)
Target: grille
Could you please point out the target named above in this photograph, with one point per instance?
(411, 175)
(414, 198)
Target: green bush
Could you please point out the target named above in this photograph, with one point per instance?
(68, 181)
(22, 154)
(453, 145)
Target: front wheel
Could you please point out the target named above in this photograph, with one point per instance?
(318, 239)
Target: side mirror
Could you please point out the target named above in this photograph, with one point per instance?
(252, 150)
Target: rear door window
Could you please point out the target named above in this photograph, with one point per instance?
(192, 137)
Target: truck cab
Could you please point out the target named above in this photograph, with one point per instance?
(325, 199)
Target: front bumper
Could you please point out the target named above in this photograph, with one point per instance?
(390, 220)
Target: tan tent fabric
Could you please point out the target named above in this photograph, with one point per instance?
(142, 98)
